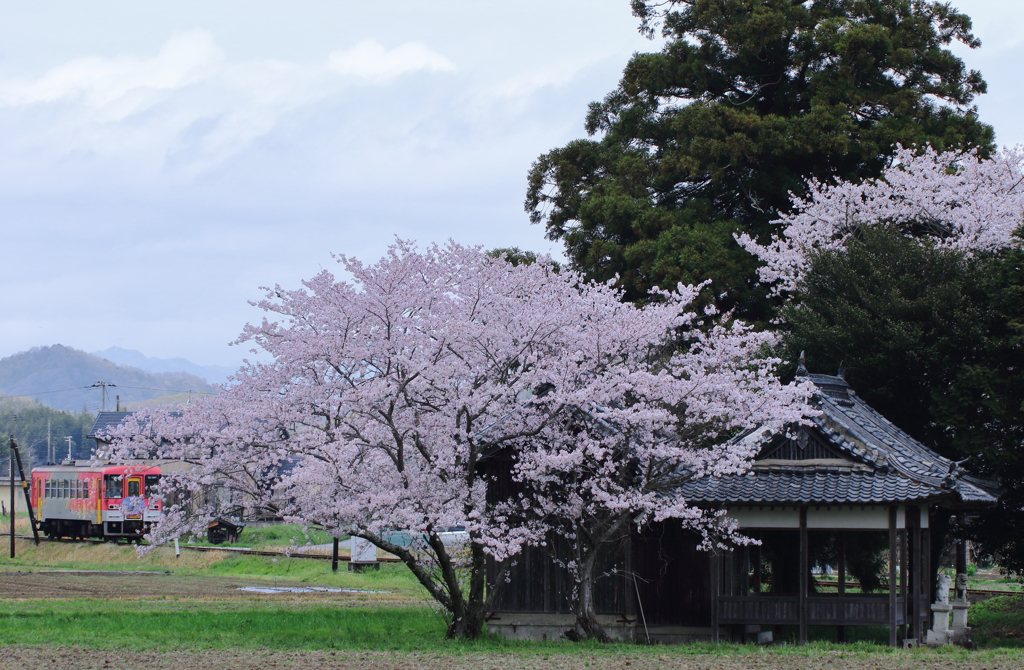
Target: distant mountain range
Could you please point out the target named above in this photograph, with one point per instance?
(215, 374)
(64, 378)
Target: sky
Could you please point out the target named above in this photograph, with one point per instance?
(159, 162)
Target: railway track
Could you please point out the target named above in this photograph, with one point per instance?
(391, 559)
(325, 556)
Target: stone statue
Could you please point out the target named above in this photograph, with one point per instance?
(961, 587)
(942, 590)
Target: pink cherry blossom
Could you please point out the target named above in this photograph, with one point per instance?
(958, 200)
(388, 390)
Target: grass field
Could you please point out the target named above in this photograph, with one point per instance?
(196, 617)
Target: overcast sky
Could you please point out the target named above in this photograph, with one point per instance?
(161, 161)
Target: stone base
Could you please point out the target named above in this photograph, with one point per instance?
(939, 633)
(961, 637)
(541, 626)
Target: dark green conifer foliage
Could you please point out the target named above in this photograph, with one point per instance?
(746, 100)
(935, 341)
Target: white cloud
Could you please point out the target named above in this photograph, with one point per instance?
(184, 59)
(186, 108)
(370, 60)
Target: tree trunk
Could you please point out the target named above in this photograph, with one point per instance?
(468, 613)
(470, 626)
(587, 626)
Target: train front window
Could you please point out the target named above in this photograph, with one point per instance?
(133, 487)
(152, 483)
(112, 486)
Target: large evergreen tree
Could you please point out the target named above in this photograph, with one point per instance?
(935, 338)
(747, 99)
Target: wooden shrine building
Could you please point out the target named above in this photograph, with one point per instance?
(849, 492)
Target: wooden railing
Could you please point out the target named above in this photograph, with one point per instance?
(855, 609)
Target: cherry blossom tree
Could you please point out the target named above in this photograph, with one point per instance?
(387, 391)
(957, 200)
(666, 411)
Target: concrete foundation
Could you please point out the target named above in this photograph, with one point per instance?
(538, 626)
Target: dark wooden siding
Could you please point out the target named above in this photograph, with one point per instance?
(536, 583)
(673, 576)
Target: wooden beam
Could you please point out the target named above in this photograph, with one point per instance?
(805, 574)
(892, 575)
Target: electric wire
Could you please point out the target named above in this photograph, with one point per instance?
(84, 388)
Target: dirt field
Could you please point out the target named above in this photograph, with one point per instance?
(30, 658)
(57, 584)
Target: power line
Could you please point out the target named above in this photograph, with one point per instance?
(22, 395)
(146, 388)
(85, 388)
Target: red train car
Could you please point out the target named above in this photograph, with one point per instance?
(105, 501)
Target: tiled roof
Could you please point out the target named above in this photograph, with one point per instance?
(107, 421)
(814, 486)
(879, 463)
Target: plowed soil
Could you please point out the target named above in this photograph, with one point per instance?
(57, 585)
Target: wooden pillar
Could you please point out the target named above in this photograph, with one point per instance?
(916, 565)
(961, 545)
(805, 572)
(716, 571)
(758, 578)
(745, 569)
(729, 573)
(904, 575)
(841, 567)
(926, 558)
(892, 576)
(628, 582)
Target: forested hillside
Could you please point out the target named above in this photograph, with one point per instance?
(62, 378)
(30, 422)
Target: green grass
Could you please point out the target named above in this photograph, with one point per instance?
(273, 537)
(155, 625)
(168, 626)
(998, 621)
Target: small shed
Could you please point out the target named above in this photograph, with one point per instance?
(224, 530)
(851, 493)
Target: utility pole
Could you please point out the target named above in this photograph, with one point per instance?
(49, 447)
(25, 489)
(103, 385)
(10, 453)
(68, 438)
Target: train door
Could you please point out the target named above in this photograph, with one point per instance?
(133, 505)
